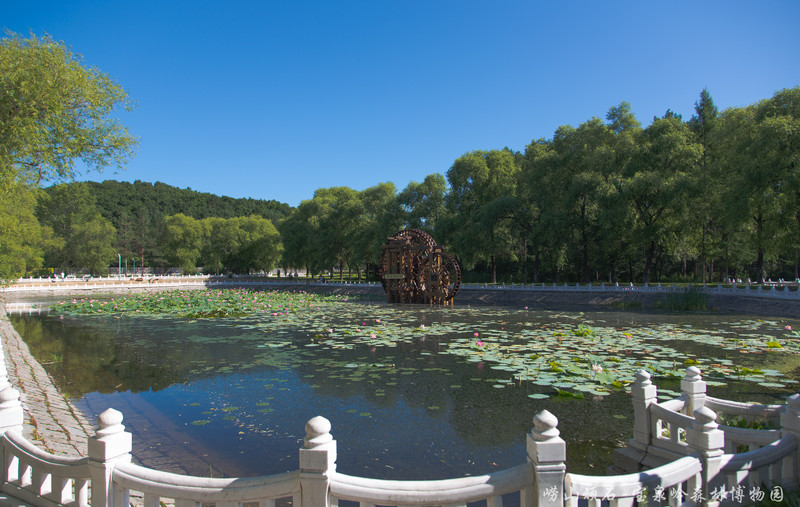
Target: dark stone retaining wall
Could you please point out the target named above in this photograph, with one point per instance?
(478, 296)
(572, 299)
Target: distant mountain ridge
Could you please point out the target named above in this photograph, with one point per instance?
(118, 199)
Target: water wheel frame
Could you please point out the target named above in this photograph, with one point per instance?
(411, 267)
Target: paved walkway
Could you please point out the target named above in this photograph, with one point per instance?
(51, 421)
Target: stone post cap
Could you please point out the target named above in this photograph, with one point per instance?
(642, 377)
(109, 423)
(318, 432)
(693, 374)
(794, 402)
(9, 397)
(705, 418)
(545, 426)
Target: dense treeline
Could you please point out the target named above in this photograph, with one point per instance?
(708, 199)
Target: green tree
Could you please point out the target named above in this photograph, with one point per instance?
(183, 239)
(298, 232)
(70, 211)
(56, 110)
(92, 245)
(760, 146)
(655, 185)
(381, 217)
(584, 160)
(476, 179)
(422, 204)
(340, 215)
(705, 189)
(21, 236)
(260, 245)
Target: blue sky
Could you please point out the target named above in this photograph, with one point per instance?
(272, 100)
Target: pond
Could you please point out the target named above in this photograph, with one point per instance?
(411, 392)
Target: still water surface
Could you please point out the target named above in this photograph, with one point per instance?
(411, 393)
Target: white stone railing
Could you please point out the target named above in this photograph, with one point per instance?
(773, 290)
(681, 476)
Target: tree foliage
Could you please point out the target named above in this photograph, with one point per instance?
(55, 110)
(713, 197)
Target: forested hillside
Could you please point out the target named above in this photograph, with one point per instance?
(92, 222)
(118, 199)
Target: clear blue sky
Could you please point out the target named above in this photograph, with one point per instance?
(273, 100)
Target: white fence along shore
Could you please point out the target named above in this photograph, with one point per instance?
(678, 455)
(775, 290)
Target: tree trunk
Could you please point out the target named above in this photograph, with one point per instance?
(648, 262)
(612, 270)
(760, 265)
(494, 269)
(585, 275)
(537, 260)
(703, 253)
(760, 246)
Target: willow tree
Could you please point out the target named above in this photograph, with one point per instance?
(55, 112)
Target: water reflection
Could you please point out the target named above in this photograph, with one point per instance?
(237, 392)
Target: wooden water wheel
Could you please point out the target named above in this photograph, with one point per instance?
(414, 269)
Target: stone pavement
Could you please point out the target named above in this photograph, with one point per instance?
(51, 421)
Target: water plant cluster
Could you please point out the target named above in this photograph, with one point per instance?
(200, 303)
(564, 354)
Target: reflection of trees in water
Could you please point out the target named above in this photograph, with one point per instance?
(140, 354)
(102, 355)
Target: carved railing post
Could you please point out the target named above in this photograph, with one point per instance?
(11, 416)
(643, 393)
(547, 452)
(10, 420)
(317, 463)
(110, 445)
(707, 439)
(790, 424)
(694, 387)
(3, 371)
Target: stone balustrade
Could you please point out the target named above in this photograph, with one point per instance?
(678, 454)
(769, 290)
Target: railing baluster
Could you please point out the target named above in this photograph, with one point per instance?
(82, 492)
(40, 480)
(121, 496)
(151, 500)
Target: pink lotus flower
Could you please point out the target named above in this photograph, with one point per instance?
(596, 368)
(480, 343)
(788, 328)
(475, 334)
